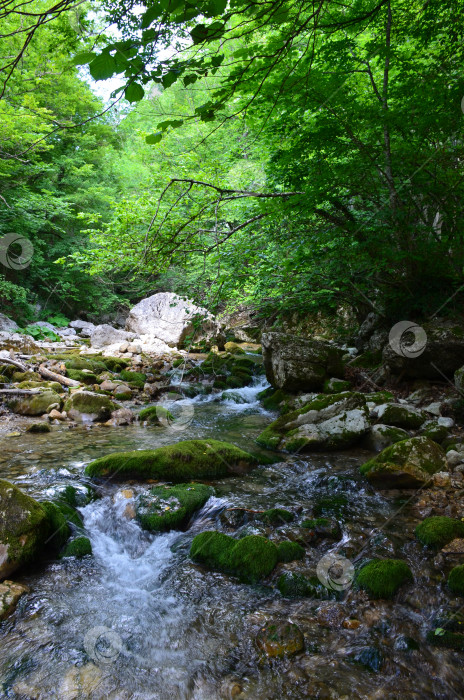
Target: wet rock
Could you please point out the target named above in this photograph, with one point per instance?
(351, 624)
(24, 528)
(234, 518)
(56, 415)
(78, 547)
(401, 416)
(85, 406)
(10, 593)
(290, 551)
(297, 364)
(123, 416)
(171, 507)
(295, 585)
(156, 415)
(183, 461)
(331, 615)
(406, 464)
(276, 516)
(453, 552)
(278, 639)
(327, 422)
(370, 658)
(381, 578)
(323, 528)
(35, 405)
(81, 682)
(381, 436)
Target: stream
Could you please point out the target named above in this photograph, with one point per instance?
(139, 620)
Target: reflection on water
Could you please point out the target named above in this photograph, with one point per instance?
(139, 620)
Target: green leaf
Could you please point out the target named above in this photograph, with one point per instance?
(154, 138)
(82, 58)
(151, 14)
(215, 8)
(102, 67)
(134, 92)
(169, 78)
(202, 32)
(189, 79)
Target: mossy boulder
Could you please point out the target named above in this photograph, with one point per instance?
(156, 415)
(54, 386)
(401, 416)
(436, 432)
(273, 400)
(234, 348)
(24, 528)
(251, 558)
(381, 578)
(280, 639)
(328, 422)
(324, 527)
(78, 362)
(78, 547)
(276, 516)
(181, 462)
(379, 397)
(135, 379)
(456, 580)
(381, 436)
(406, 464)
(290, 551)
(86, 406)
(35, 405)
(26, 377)
(115, 364)
(438, 530)
(335, 386)
(84, 376)
(41, 427)
(171, 507)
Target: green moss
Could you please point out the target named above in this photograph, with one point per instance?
(169, 507)
(59, 530)
(35, 405)
(380, 397)
(456, 580)
(136, 379)
(83, 377)
(54, 386)
(402, 417)
(269, 439)
(183, 461)
(80, 363)
(78, 547)
(371, 359)
(70, 513)
(24, 527)
(235, 382)
(39, 428)
(332, 386)
(381, 578)
(251, 558)
(290, 551)
(324, 527)
(26, 377)
(438, 530)
(155, 414)
(292, 585)
(115, 364)
(276, 516)
(435, 432)
(90, 403)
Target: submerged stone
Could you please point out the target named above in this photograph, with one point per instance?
(85, 405)
(280, 639)
(181, 462)
(406, 464)
(10, 593)
(294, 585)
(157, 415)
(169, 507)
(381, 578)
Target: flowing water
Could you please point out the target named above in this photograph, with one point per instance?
(139, 620)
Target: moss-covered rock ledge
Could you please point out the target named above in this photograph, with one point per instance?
(184, 461)
(406, 464)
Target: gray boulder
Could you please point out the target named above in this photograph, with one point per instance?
(105, 335)
(168, 317)
(297, 364)
(7, 325)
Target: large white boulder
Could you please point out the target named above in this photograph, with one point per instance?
(168, 317)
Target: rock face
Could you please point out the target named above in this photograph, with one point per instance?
(443, 354)
(298, 364)
(406, 464)
(327, 422)
(24, 527)
(169, 318)
(7, 325)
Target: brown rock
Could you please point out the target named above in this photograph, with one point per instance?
(10, 593)
(280, 639)
(331, 615)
